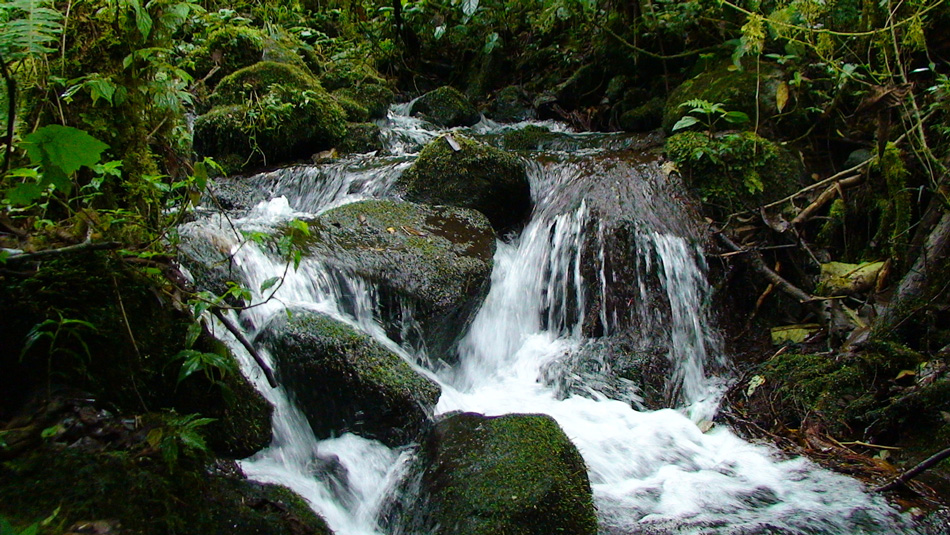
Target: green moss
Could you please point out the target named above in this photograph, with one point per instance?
(511, 104)
(895, 224)
(355, 112)
(516, 474)
(345, 380)
(445, 106)
(477, 176)
(646, 117)
(251, 82)
(361, 138)
(350, 73)
(375, 98)
(144, 496)
(229, 49)
(735, 169)
(531, 137)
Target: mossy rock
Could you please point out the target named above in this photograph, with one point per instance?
(274, 113)
(735, 89)
(361, 138)
(243, 85)
(531, 137)
(229, 49)
(355, 112)
(344, 381)
(438, 259)
(375, 98)
(125, 351)
(643, 118)
(445, 106)
(350, 73)
(146, 497)
(734, 170)
(477, 176)
(516, 474)
(510, 105)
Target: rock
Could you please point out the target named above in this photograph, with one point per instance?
(350, 73)
(355, 112)
(445, 106)
(517, 473)
(122, 344)
(361, 138)
(344, 381)
(142, 495)
(643, 118)
(735, 89)
(229, 49)
(732, 171)
(292, 117)
(478, 176)
(511, 105)
(531, 137)
(375, 98)
(437, 259)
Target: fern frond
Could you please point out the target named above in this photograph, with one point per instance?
(28, 28)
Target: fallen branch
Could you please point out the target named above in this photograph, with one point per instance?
(915, 471)
(825, 196)
(837, 176)
(780, 282)
(268, 373)
(69, 249)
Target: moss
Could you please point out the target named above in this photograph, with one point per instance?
(361, 138)
(439, 259)
(350, 73)
(355, 112)
(531, 137)
(478, 177)
(895, 224)
(510, 105)
(733, 170)
(445, 106)
(258, 79)
(229, 49)
(648, 116)
(374, 97)
(516, 474)
(735, 89)
(145, 496)
(346, 381)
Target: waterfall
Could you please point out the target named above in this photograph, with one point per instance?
(651, 471)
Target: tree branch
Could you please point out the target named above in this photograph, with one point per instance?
(915, 471)
(69, 249)
(268, 373)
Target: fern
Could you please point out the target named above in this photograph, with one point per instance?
(27, 28)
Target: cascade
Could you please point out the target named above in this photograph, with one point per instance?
(651, 470)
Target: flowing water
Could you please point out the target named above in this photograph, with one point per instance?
(651, 471)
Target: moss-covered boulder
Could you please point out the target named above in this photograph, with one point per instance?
(268, 113)
(510, 105)
(228, 49)
(735, 89)
(347, 72)
(476, 176)
(647, 116)
(734, 170)
(344, 380)
(355, 112)
(437, 259)
(516, 474)
(102, 327)
(361, 138)
(376, 98)
(143, 495)
(445, 106)
(531, 137)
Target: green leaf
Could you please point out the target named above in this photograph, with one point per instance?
(735, 117)
(685, 122)
(24, 194)
(100, 88)
(61, 151)
(269, 283)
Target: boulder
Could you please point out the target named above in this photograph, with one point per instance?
(512, 474)
(510, 105)
(345, 381)
(477, 176)
(376, 98)
(361, 138)
(445, 106)
(437, 259)
(268, 113)
(647, 116)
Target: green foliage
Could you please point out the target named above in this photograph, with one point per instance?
(179, 435)
(711, 114)
(59, 151)
(60, 333)
(29, 27)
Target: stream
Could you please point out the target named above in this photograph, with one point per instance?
(652, 471)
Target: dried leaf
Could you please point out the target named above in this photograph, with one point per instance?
(411, 231)
(781, 96)
(391, 230)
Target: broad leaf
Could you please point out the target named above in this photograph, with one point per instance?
(269, 283)
(735, 117)
(685, 122)
(781, 96)
(24, 194)
(61, 151)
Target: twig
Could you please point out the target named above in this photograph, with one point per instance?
(69, 249)
(268, 373)
(915, 471)
(827, 195)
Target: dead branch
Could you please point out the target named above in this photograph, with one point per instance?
(823, 199)
(915, 471)
(69, 249)
(268, 373)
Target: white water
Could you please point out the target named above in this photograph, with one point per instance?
(648, 469)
